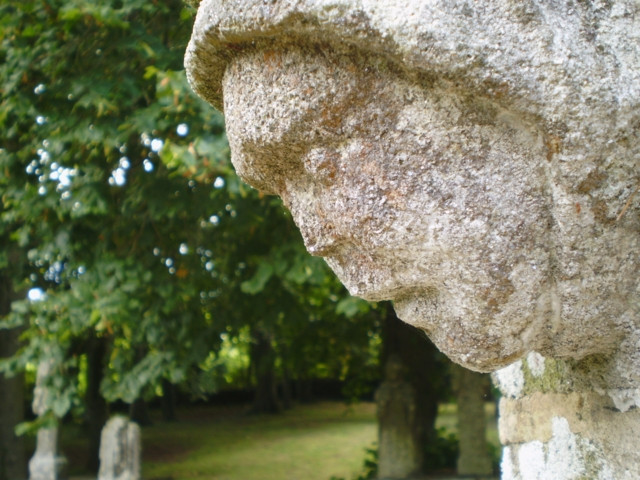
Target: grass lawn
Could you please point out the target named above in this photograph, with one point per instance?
(308, 442)
(311, 442)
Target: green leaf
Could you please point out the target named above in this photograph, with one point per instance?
(352, 306)
(257, 283)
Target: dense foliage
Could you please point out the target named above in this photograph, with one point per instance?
(121, 215)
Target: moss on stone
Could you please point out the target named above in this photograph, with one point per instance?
(555, 378)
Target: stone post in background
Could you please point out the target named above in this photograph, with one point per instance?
(477, 163)
(120, 450)
(399, 454)
(46, 463)
(470, 389)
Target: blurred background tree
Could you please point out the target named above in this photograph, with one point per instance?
(144, 256)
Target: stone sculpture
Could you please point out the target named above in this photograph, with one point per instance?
(46, 463)
(399, 454)
(120, 450)
(476, 162)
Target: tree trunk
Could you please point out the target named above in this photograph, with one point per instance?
(139, 412)
(97, 409)
(168, 401)
(400, 453)
(426, 371)
(13, 464)
(263, 357)
(470, 388)
(287, 394)
(304, 390)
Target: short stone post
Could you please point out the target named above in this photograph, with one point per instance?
(399, 453)
(120, 450)
(46, 463)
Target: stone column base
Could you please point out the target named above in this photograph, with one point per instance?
(559, 436)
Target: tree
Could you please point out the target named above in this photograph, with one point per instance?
(305, 321)
(118, 193)
(427, 370)
(470, 389)
(93, 114)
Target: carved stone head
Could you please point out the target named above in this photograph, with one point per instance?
(473, 161)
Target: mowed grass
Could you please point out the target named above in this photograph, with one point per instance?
(310, 442)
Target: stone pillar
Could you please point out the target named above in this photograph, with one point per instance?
(399, 453)
(120, 450)
(555, 424)
(475, 162)
(46, 463)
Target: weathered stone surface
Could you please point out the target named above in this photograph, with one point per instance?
(46, 463)
(557, 423)
(120, 450)
(467, 160)
(476, 162)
